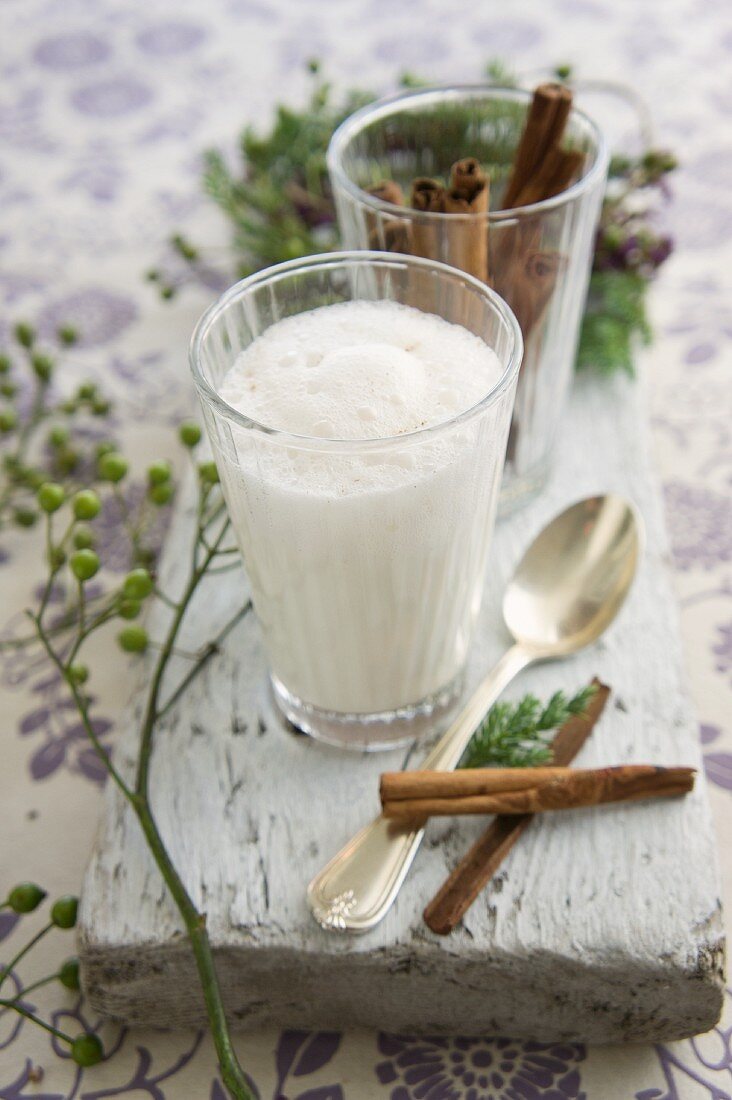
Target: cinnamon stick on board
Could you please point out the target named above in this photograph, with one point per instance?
(577, 788)
(483, 859)
(467, 237)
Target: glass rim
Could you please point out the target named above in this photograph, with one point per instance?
(279, 272)
(385, 106)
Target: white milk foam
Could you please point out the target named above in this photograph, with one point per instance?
(360, 370)
(366, 566)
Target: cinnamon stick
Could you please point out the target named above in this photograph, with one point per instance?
(467, 238)
(387, 191)
(428, 784)
(483, 859)
(552, 176)
(428, 197)
(578, 788)
(388, 234)
(544, 126)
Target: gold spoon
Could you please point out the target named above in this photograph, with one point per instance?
(567, 589)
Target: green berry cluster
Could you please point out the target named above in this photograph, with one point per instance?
(77, 547)
(38, 440)
(85, 1049)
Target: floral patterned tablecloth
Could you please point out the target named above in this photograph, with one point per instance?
(104, 108)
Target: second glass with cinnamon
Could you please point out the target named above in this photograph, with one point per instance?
(505, 185)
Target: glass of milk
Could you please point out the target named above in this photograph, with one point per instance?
(358, 406)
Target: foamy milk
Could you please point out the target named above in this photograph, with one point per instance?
(366, 559)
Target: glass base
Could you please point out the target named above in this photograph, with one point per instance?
(370, 732)
(518, 490)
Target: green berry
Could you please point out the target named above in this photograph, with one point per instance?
(25, 334)
(8, 389)
(104, 448)
(87, 1050)
(8, 420)
(67, 335)
(84, 564)
(189, 433)
(152, 275)
(25, 897)
(100, 407)
(86, 504)
(68, 975)
(42, 366)
(167, 292)
(25, 517)
(160, 494)
(51, 496)
(64, 910)
(5, 363)
(563, 72)
(84, 538)
(129, 609)
(68, 407)
(137, 585)
(78, 674)
(112, 466)
(159, 473)
(87, 391)
(208, 473)
(133, 639)
(58, 435)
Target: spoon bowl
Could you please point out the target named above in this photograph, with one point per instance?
(573, 579)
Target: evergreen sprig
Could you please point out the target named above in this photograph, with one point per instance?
(516, 735)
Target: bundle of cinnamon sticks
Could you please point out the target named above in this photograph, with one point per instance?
(413, 796)
(540, 170)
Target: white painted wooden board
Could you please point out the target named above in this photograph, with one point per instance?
(603, 925)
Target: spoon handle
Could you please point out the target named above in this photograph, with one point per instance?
(355, 890)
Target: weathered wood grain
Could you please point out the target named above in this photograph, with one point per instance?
(603, 925)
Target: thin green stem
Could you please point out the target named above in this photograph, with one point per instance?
(34, 985)
(37, 1020)
(205, 656)
(81, 705)
(150, 717)
(165, 598)
(24, 951)
(195, 922)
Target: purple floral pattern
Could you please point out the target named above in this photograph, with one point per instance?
(74, 50)
(103, 114)
(479, 1069)
(700, 525)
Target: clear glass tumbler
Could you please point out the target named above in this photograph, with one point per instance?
(366, 558)
(537, 257)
